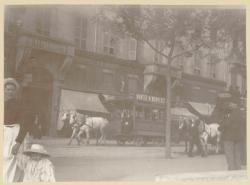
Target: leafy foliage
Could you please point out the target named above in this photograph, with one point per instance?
(188, 29)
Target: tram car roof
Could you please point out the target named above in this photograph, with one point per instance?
(121, 103)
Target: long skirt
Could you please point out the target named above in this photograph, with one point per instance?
(11, 172)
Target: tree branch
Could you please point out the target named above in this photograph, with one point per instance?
(153, 47)
(188, 51)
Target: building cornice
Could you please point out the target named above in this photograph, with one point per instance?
(83, 54)
(203, 79)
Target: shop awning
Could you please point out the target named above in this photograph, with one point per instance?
(203, 108)
(74, 100)
(179, 111)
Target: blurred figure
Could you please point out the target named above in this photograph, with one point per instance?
(36, 165)
(194, 137)
(15, 130)
(233, 129)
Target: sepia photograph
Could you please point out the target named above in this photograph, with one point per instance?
(124, 93)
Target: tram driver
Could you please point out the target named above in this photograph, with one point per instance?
(126, 122)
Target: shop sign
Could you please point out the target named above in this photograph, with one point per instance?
(150, 99)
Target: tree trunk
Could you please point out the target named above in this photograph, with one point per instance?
(168, 115)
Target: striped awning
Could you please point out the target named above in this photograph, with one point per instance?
(203, 108)
(75, 100)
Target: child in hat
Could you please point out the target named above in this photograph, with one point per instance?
(36, 165)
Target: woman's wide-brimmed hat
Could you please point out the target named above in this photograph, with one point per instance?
(11, 81)
(36, 148)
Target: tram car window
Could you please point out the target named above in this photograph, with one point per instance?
(148, 113)
(162, 113)
(139, 112)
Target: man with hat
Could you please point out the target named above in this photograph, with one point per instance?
(14, 129)
(232, 121)
(233, 128)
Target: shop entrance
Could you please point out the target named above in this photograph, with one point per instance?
(37, 101)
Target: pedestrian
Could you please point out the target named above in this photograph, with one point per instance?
(37, 128)
(233, 128)
(36, 165)
(194, 138)
(76, 124)
(15, 130)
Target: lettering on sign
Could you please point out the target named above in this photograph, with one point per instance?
(150, 99)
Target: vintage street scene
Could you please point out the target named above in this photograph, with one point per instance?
(124, 93)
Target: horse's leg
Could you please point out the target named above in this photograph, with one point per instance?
(186, 145)
(76, 137)
(200, 146)
(96, 135)
(103, 136)
(79, 135)
(71, 137)
(190, 150)
(217, 144)
(87, 132)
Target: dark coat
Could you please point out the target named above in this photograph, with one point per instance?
(233, 126)
(14, 114)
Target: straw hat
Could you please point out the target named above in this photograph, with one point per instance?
(36, 148)
(11, 81)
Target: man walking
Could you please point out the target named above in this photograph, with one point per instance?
(233, 129)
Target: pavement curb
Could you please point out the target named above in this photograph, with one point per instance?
(206, 176)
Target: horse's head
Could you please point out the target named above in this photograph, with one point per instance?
(181, 124)
(65, 116)
(201, 126)
(72, 117)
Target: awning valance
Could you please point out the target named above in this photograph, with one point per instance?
(74, 100)
(203, 108)
(179, 111)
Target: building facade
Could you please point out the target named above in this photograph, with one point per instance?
(57, 51)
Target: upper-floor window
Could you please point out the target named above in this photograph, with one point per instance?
(157, 56)
(132, 83)
(180, 63)
(81, 32)
(77, 76)
(108, 79)
(132, 49)
(110, 44)
(12, 18)
(212, 69)
(197, 63)
(42, 23)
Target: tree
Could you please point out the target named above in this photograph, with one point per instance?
(182, 31)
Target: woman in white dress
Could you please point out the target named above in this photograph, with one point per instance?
(14, 130)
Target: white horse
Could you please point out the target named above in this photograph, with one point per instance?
(95, 124)
(209, 133)
(75, 121)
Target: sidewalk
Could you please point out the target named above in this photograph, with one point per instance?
(130, 163)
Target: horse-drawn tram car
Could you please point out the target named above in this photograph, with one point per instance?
(138, 119)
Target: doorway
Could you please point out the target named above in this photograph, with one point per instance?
(37, 102)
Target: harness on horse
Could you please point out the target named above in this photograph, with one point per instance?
(92, 123)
